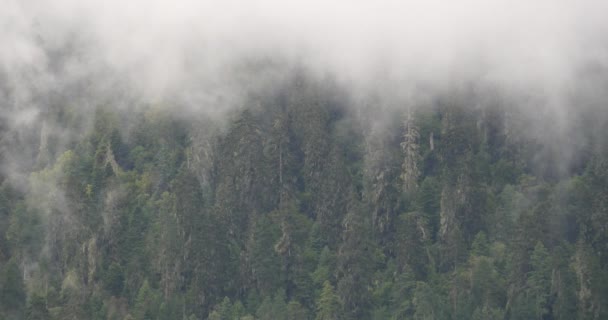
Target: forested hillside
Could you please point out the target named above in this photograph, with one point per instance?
(308, 203)
(303, 160)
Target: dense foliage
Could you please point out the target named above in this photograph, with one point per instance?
(303, 207)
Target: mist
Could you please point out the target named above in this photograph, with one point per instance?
(161, 48)
(166, 155)
(205, 59)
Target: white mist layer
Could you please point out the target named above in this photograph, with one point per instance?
(160, 47)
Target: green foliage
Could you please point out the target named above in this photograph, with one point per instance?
(264, 312)
(114, 279)
(480, 245)
(356, 261)
(402, 295)
(266, 263)
(13, 289)
(295, 311)
(328, 306)
(429, 304)
(296, 209)
(539, 281)
(36, 308)
(223, 311)
(146, 303)
(324, 269)
(411, 250)
(428, 202)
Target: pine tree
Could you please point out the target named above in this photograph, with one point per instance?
(266, 263)
(36, 308)
(564, 285)
(295, 311)
(356, 258)
(13, 288)
(403, 294)
(539, 280)
(428, 304)
(279, 306)
(411, 251)
(264, 311)
(145, 307)
(410, 146)
(328, 306)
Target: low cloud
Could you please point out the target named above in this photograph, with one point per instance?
(206, 56)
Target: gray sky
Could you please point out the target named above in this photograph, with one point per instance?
(161, 45)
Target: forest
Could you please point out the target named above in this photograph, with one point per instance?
(303, 160)
(300, 206)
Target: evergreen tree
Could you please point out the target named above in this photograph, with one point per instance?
(328, 306)
(539, 281)
(13, 289)
(145, 303)
(355, 262)
(36, 308)
(429, 305)
(563, 286)
(266, 264)
(295, 311)
(265, 310)
(299, 208)
(410, 146)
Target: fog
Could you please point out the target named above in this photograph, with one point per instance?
(204, 57)
(162, 47)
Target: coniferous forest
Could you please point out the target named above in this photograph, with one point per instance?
(138, 183)
(300, 208)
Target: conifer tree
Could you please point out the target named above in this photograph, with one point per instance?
(328, 307)
(411, 150)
